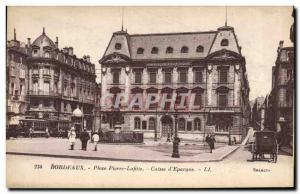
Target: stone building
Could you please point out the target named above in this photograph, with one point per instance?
(57, 83)
(208, 65)
(16, 81)
(258, 114)
(280, 111)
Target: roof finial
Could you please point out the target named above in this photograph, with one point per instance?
(122, 17)
(226, 17)
(15, 34)
(44, 30)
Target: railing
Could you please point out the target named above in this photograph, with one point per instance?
(43, 93)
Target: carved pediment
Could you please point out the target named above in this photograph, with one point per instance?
(115, 58)
(224, 55)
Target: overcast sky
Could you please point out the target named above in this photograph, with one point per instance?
(89, 29)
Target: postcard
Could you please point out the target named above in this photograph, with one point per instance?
(150, 97)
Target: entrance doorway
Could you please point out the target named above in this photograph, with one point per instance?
(167, 126)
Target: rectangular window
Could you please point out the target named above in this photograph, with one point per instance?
(47, 70)
(12, 87)
(152, 76)
(46, 88)
(116, 77)
(168, 77)
(189, 126)
(198, 100)
(222, 100)
(144, 124)
(198, 77)
(223, 74)
(138, 77)
(182, 76)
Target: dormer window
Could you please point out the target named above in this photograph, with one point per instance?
(169, 50)
(118, 46)
(224, 42)
(154, 50)
(200, 49)
(47, 55)
(184, 49)
(140, 51)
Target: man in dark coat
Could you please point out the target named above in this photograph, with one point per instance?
(84, 137)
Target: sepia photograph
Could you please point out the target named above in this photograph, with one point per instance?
(150, 97)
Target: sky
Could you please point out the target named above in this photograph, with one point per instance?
(89, 29)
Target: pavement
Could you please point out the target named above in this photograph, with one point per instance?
(149, 151)
(287, 150)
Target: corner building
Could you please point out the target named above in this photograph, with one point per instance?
(208, 64)
(58, 84)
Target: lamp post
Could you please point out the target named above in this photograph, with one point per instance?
(155, 127)
(176, 140)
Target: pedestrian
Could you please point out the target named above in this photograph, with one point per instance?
(95, 139)
(72, 137)
(84, 137)
(208, 140)
(213, 140)
(31, 132)
(47, 132)
(169, 137)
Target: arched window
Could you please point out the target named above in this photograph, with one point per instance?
(181, 124)
(152, 124)
(224, 42)
(140, 51)
(47, 55)
(184, 49)
(118, 46)
(154, 50)
(200, 49)
(197, 124)
(169, 50)
(137, 123)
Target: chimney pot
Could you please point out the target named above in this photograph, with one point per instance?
(88, 58)
(70, 51)
(56, 42)
(28, 42)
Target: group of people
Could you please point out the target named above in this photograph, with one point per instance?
(84, 138)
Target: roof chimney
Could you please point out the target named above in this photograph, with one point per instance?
(70, 51)
(281, 44)
(56, 42)
(65, 50)
(88, 58)
(15, 34)
(44, 31)
(28, 42)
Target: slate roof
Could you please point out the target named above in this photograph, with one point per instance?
(209, 40)
(174, 40)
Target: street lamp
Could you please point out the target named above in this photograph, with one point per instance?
(176, 140)
(155, 127)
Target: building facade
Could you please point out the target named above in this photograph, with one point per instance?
(16, 81)
(280, 102)
(57, 83)
(258, 114)
(208, 65)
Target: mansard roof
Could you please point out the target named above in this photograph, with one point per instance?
(184, 45)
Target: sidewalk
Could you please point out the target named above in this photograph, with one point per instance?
(147, 152)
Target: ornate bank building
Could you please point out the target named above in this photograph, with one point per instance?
(208, 65)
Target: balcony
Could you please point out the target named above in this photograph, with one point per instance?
(41, 93)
